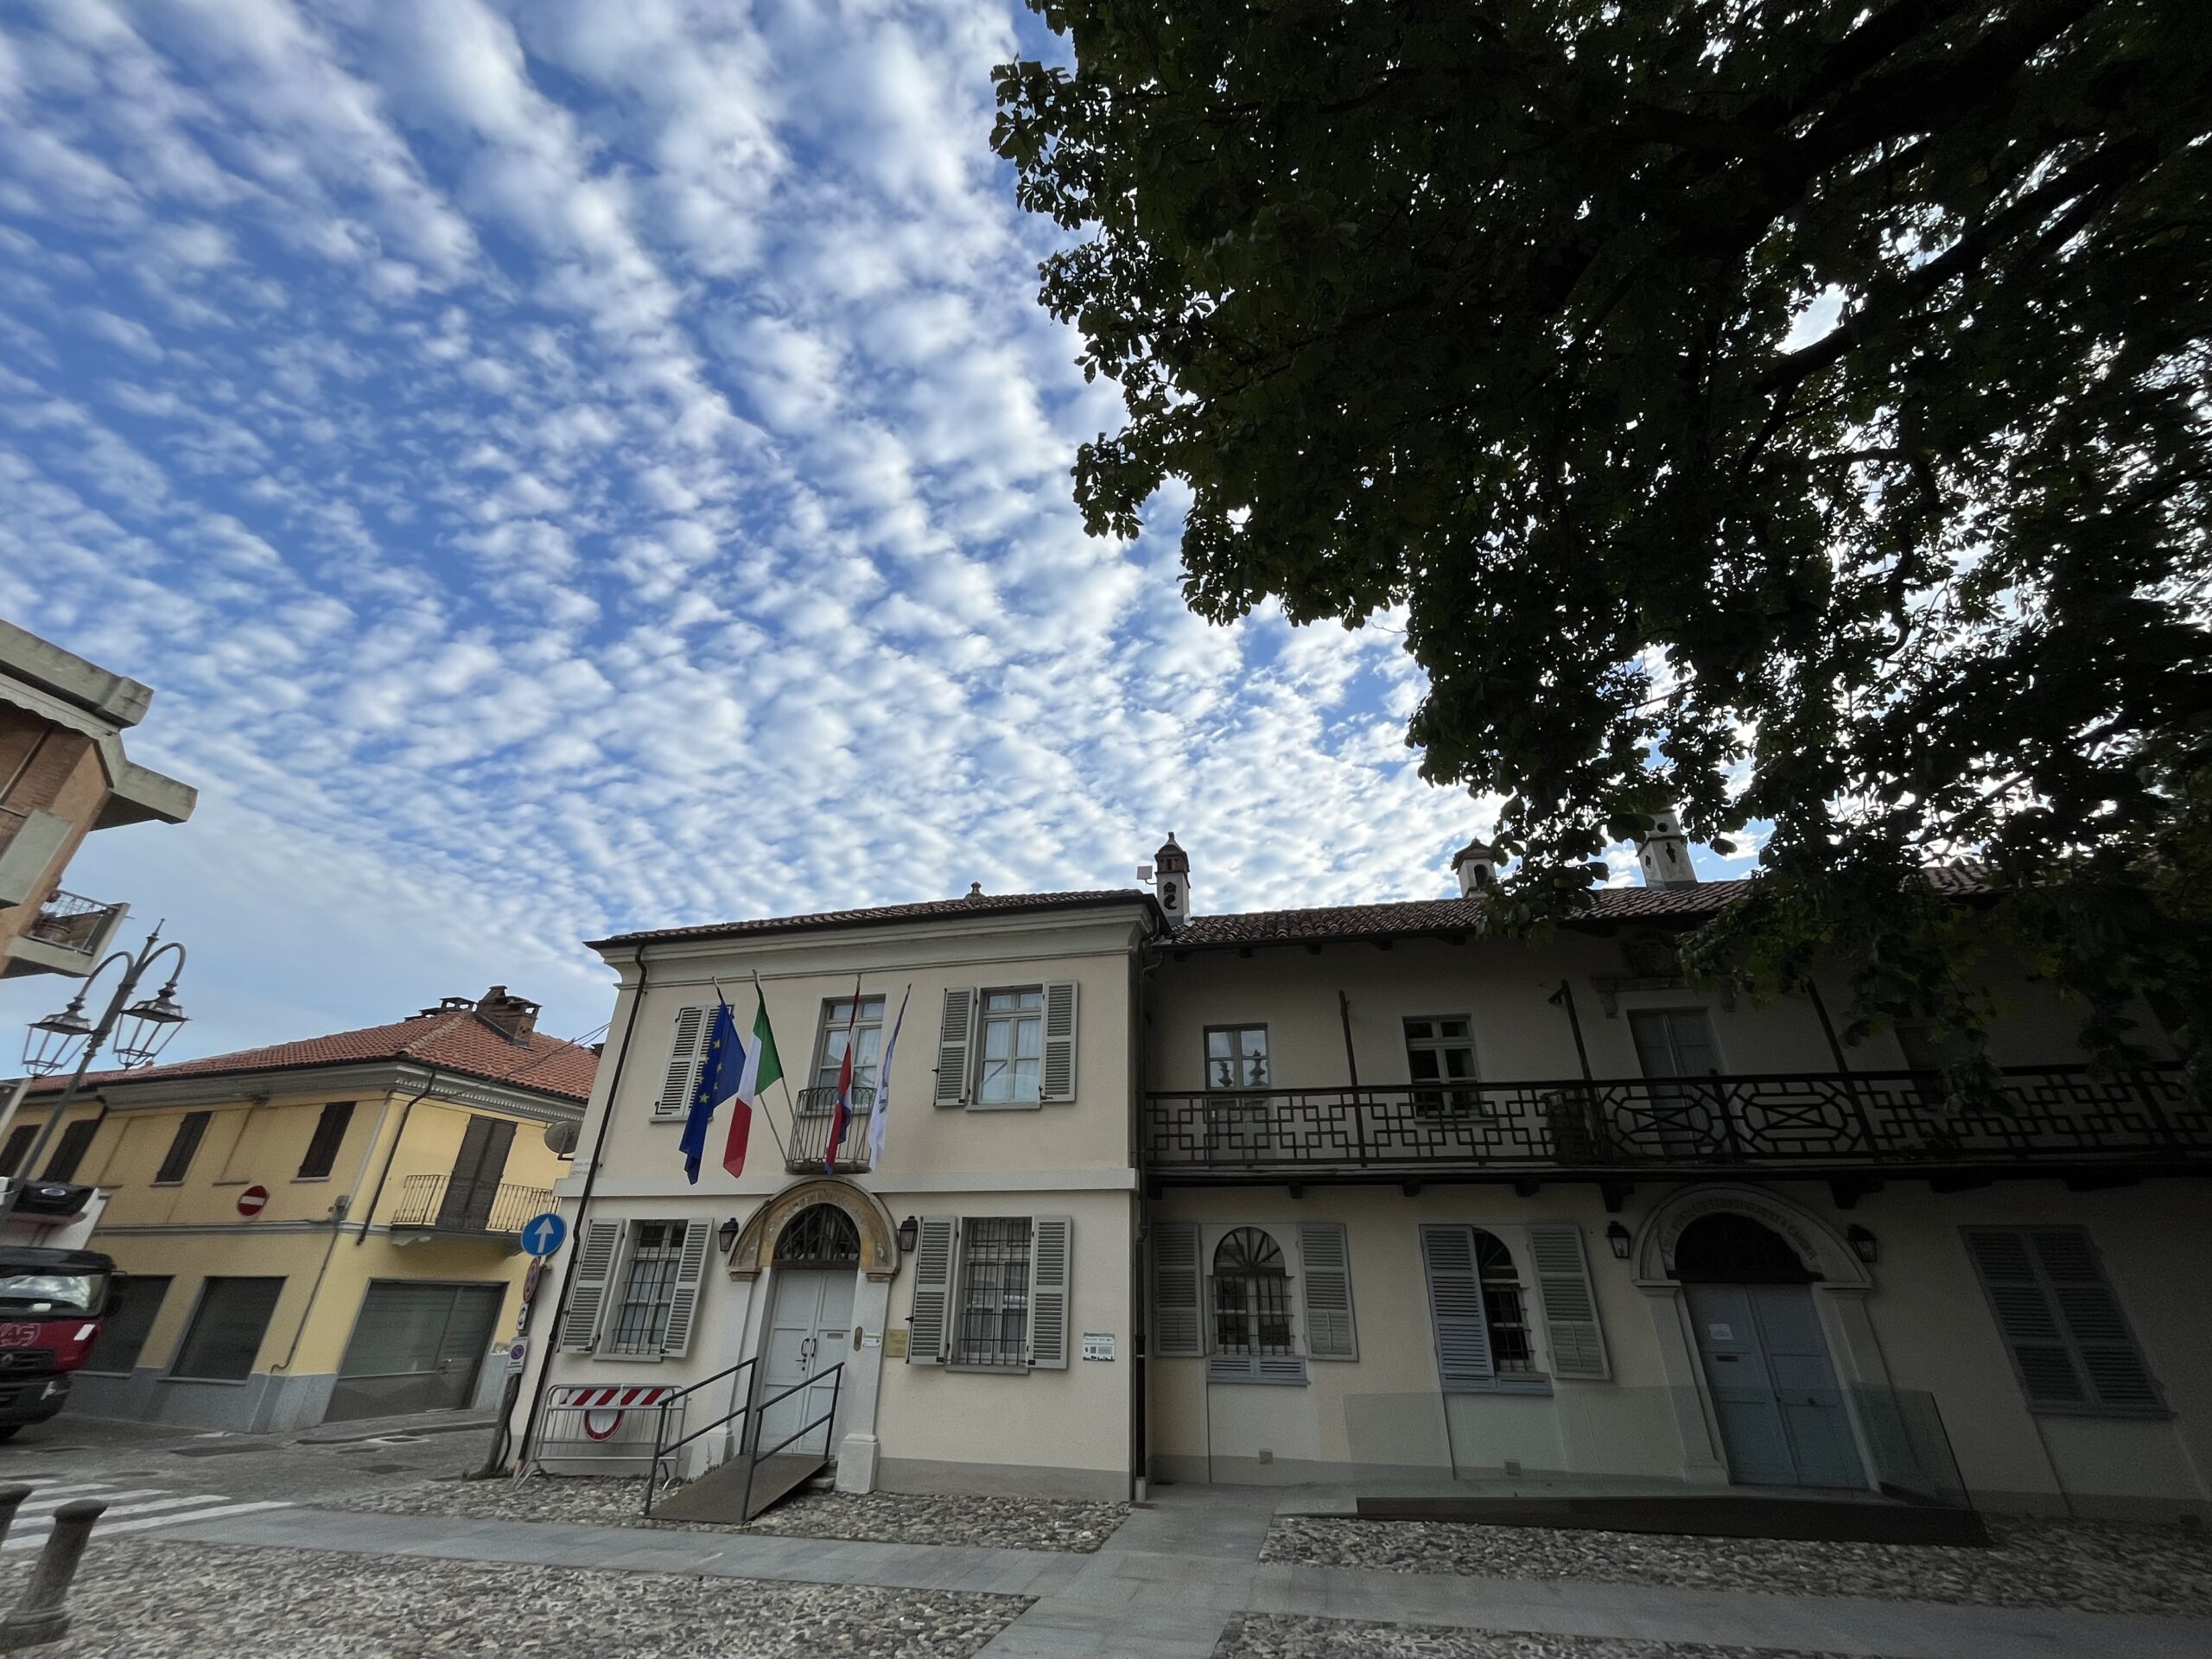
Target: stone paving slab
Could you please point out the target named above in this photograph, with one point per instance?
(1265, 1636)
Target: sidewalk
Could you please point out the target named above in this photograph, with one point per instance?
(1167, 1582)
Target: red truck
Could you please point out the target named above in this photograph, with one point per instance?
(52, 1300)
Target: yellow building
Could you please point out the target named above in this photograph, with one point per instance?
(320, 1229)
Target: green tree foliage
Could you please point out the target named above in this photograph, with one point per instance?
(1790, 410)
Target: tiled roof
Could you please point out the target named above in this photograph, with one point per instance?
(981, 904)
(1437, 916)
(447, 1039)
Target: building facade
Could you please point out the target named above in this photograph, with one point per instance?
(1362, 1195)
(63, 774)
(320, 1229)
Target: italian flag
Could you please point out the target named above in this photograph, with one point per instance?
(762, 1067)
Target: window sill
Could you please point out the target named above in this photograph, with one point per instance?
(630, 1359)
(1522, 1385)
(211, 1382)
(2107, 1414)
(1013, 1105)
(308, 1180)
(987, 1371)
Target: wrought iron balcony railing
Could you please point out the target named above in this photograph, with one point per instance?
(71, 922)
(438, 1203)
(810, 1143)
(1819, 1123)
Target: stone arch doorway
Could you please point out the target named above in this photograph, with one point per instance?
(1760, 1309)
(809, 1346)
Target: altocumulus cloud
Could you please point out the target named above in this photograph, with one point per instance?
(567, 466)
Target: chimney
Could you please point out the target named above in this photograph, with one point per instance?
(1172, 879)
(510, 1016)
(1476, 865)
(1663, 852)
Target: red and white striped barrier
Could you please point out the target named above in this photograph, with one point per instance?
(603, 1407)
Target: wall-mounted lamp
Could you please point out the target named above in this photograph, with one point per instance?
(1617, 1235)
(1864, 1244)
(726, 1235)
(909, 1230)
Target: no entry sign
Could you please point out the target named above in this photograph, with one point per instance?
(251, 1199)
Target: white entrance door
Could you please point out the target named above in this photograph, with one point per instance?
(809, 1332)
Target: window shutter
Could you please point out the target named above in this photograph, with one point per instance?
(1058, 1078)
(684, 1301)
(953, 1040)
(1578, 1341)
(1050, 1249)
(1455, 1307)
(1176, 1329)
(2069, 1339)
(926, 1322)
(683, 1063)
(1325, 1257)
(595, 1265)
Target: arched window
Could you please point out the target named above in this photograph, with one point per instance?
(1727, 1248)
(821, 1234)
(1505, 1309)
(1251, 1294)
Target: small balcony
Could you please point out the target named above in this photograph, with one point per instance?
(440, 1205)
(2091, 1127)
(66, 936)
(810, 1148)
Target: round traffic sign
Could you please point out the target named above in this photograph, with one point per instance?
(544, 1233)
(251, 1199)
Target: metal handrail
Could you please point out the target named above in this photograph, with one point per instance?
(662, 1445)
(810, 1148)
(836, 1374)
(422, 1204)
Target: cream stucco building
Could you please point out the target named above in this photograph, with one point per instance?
(318, 1229)
(1360, 1194)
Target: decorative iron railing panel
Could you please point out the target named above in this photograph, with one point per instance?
(1861, 1120)
(810, 1142)
(440, 1204)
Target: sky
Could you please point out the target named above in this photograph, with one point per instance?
(568, 466)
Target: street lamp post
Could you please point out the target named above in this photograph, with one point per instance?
(141, 1030)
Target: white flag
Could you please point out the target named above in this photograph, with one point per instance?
(883, 1086)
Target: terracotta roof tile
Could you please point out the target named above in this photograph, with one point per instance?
(449, 1040)
(986, 904)
(1435, 916)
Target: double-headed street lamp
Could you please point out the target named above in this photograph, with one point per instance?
(141, 1030)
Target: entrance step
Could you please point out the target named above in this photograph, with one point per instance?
(720, 1496)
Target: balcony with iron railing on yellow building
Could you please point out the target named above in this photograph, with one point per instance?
(456, 1207)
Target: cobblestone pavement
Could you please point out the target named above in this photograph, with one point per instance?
(214, 1601)
(2090, 1568)
(1281, 1636)
(876, 1517)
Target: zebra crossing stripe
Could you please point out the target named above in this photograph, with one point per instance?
(186, 1519)
(131, 1509)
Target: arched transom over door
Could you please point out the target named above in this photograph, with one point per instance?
(820, 1236)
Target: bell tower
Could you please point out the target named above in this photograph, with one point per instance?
(1172, 881)
(1476, 865)
(1663, 852)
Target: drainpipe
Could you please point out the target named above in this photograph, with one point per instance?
(583, 1203)
(390, 1157)
(339, 1208)
(1148, 962)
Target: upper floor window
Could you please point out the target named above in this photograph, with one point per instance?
(69, 1151)
(17, 1148)
(1437, 1051)
(1237, 1057)
(864, 1034)
(1014, 1046)
(182, 1147)
(329, 1135)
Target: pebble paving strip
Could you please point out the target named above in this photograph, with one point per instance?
(2088, 1566)
(1282, 1636)
(136, 1599)
(874, 1517)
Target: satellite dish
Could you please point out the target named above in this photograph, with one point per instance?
(560, 1137)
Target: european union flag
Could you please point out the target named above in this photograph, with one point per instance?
(719, 1074)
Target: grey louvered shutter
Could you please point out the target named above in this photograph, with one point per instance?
(2102, 1342)
(954, 1040)
(684, 1301)
(2025, 1317)
(1058, 1074)
(1578, 1341)
(1051, 1259)
(1455, 1307)
(595, 1265)
(683, 1063)
(1325, 1258)
(929, 1318)
(1177, 1331)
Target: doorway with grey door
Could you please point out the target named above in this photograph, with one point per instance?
(415, 1347)
(810, 1330)
(1782, 1419)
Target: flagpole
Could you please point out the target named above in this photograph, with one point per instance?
(764, 1118)
(790, 1107)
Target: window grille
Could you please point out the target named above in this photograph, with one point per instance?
(994, 1293)
(821, 1234)
(1505, 1309)
(1251, 1295)
(641, 1318)
(1014, 1046)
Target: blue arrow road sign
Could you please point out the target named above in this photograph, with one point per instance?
(544, 1234)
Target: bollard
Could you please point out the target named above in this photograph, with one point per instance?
(42, 1615)
(11, 1499)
